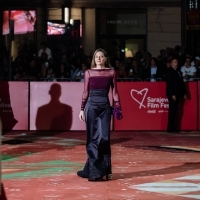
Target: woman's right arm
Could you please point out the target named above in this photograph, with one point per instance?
(85, 95)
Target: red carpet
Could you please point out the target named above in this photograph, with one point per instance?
(146, 165)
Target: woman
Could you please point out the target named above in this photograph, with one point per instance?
(96, 112)
(188, 71)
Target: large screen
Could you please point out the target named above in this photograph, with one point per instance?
(55, 28)
(24, 21)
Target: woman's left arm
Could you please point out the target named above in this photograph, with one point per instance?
(114, 90)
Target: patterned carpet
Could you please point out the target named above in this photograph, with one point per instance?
(146, 165)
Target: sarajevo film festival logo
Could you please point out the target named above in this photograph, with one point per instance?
(139, 96)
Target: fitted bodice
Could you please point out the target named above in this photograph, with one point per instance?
(99, 79)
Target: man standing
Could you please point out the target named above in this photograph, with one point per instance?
(175, 90)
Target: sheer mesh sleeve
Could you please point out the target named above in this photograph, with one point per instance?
(115, 92)
(86, 89)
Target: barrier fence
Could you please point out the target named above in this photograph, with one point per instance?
(56, 106)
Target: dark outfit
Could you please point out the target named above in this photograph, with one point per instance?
(96, 106)
(147, 73)
(174, 86)
(198, 71)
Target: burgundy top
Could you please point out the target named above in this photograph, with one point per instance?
(103, 79)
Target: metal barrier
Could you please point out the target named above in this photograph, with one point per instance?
(128, 79)
(56, 79)
(27, 79)
(138, 79)
(194, 79)
(153, 79)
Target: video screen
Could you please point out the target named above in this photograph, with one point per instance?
(24, 21)
(55, 28)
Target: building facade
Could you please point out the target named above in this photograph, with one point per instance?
(121, 27)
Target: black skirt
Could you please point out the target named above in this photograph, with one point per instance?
(97, 117)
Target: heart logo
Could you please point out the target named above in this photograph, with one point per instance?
(135, 94)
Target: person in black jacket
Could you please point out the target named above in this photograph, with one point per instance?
(154, 71)
(175, 91)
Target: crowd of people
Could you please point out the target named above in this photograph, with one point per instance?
(71, 65)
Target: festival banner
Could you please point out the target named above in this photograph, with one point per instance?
(56, 106)
(145, 107)
(14, 105)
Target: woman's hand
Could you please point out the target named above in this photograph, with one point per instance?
(82, 115)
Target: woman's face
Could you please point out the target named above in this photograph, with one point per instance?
(100, 59)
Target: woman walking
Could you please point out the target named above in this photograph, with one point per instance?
(96, 112)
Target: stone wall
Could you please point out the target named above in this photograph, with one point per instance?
(164, 28)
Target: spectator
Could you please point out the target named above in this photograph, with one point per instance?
(43, 58)
(49, 72)
(43, 72)
(32, 71)
(80, 74)
(197, 65)
(154, 71)
(121, 72)
(74, 71)
(128, 63)
(88, 61)
(63, 72)
(4, 69)
(64, 59)
(177, 50)
(18, 76)
(147, 58)
(139, 56)
(117, 64)
(167, 66)
(44, 49)
(168, 51)
(188, 71)
(138, 70)
(162, 55)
